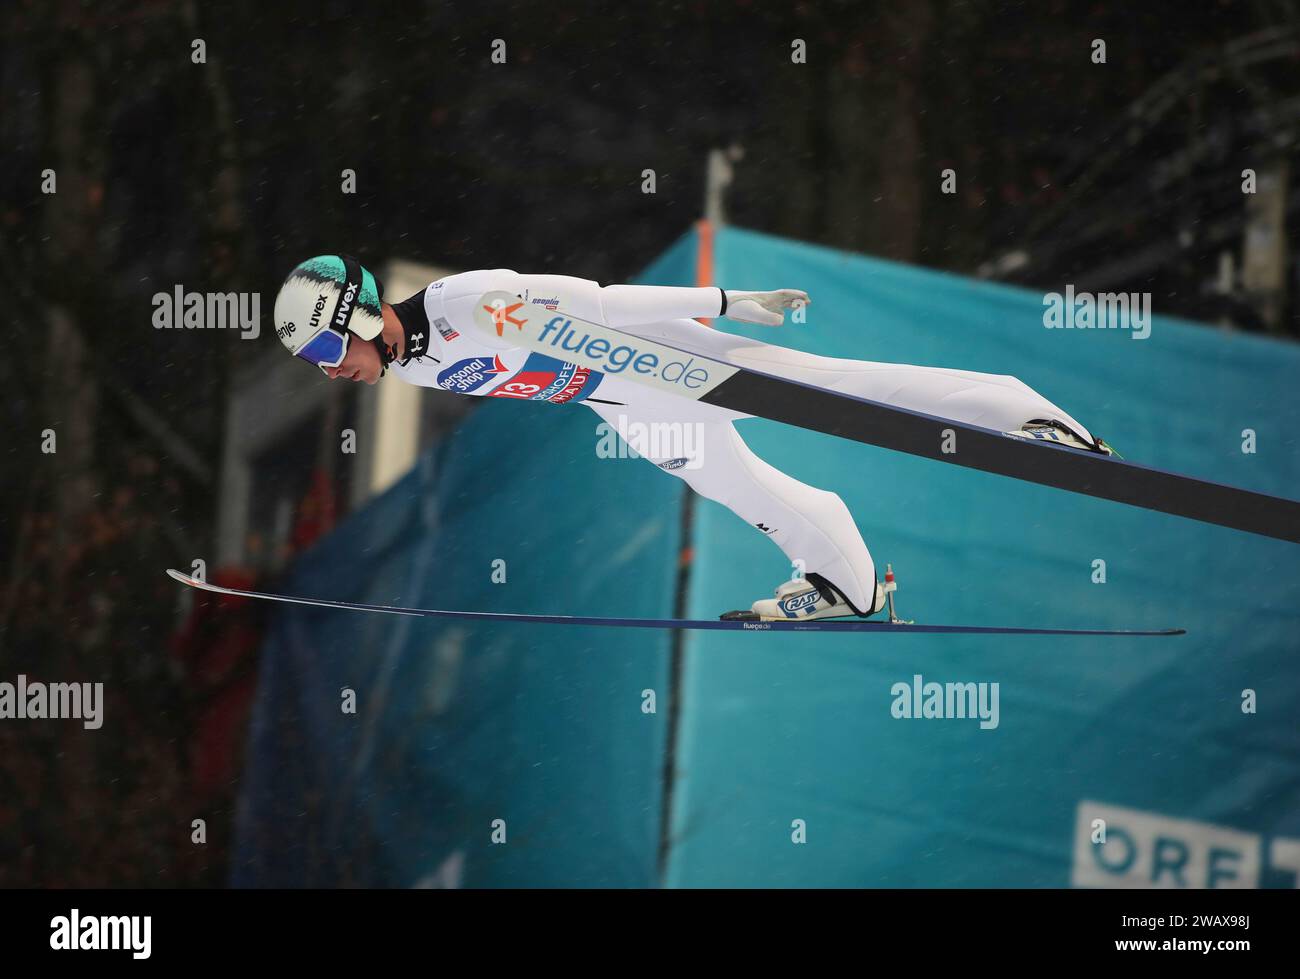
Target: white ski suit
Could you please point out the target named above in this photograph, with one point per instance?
(693, 441)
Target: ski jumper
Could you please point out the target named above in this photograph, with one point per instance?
(811, 526)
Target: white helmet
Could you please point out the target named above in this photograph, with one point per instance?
(322, 302)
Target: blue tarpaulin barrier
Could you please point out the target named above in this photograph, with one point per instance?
(1113, 762)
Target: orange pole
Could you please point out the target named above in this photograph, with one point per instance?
(704, 258)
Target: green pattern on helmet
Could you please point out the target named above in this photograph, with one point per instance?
(329, 268)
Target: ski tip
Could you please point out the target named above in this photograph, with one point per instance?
(184, 579)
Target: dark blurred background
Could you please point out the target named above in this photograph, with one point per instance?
(221, 176)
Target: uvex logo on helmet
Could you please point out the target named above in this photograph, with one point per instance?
(315, 313)
(345, 304)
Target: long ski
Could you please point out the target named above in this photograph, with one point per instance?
(687, 374)
(816, 625)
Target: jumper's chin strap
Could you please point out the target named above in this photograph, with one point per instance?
(387, 353)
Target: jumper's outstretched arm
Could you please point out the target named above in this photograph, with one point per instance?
(638, 305)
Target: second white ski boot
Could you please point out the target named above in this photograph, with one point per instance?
(809, 597)
(1050, 430)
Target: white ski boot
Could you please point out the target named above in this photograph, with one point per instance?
(766, 308)
(810, 597)
(1050, 430)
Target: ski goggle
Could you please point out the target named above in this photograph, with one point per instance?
(328, 347)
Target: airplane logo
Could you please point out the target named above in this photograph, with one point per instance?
(501, 315)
